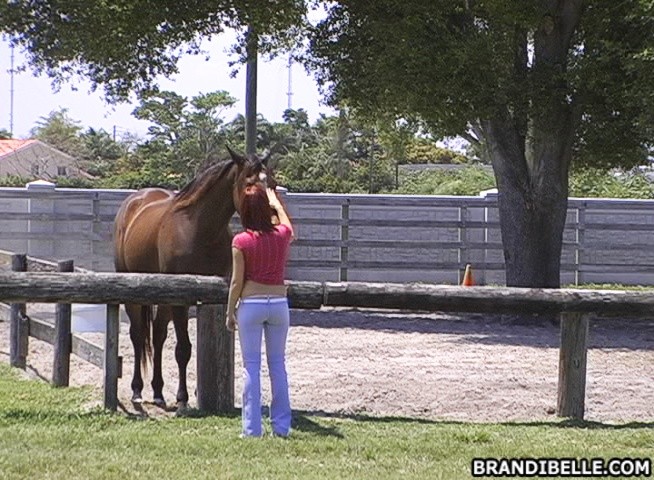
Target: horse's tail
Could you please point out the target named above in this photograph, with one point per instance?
(147, 316)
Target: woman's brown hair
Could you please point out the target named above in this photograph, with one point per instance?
(256, 213)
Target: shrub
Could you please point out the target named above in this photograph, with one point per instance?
(467, 181)
(599, 183)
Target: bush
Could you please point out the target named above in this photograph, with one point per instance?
(599, 183)
(66, 182)
(14, 181)
(467, 181)
(585, 182)
(71, 182)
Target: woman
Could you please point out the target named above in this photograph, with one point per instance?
(259, 261)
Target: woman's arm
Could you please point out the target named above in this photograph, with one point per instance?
(279, 208)
(235, 287)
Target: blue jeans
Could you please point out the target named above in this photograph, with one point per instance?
(268, 316)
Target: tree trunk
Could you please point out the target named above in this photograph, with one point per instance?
(532, 223)
(533, 201)
(530, 145)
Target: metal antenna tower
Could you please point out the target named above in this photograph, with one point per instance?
(11, 93)
(289, 92)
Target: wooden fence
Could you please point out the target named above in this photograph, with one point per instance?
(432, 238)
(57, 334)
(347, 237)
(216, 379)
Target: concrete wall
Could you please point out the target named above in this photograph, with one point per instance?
(359, 237)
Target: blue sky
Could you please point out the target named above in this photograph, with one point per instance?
(34, 98)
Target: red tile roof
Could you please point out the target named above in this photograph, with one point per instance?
(11, 145)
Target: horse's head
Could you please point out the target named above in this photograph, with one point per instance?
(251, 169)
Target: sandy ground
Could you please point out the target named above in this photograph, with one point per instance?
(476, 368)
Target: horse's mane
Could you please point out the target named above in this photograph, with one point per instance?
(201, 183)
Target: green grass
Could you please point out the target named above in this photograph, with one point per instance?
(46, 433)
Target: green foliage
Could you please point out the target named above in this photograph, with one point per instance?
(60, 439)
(584, 183)
(332, 155)
(67, 182)
(100, 153)
(73, 182)
(450, 65)
(313, 171)
(337, 154)
(95, 150)
(150, 165)
(422, 150)
(467, 181)
(14, 181)
(185, 134)
(61, 132)
(138, 180)
(124, 46)
(599, 183)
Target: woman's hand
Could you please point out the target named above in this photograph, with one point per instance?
(230, 322)
(272, 198)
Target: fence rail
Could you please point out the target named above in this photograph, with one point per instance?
(112, 289)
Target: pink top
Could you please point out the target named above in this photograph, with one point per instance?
(265, 254)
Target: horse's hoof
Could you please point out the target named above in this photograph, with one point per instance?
(182, 409)
(137, 399)
(160, 402)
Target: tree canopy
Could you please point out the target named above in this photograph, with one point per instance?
(534, 83)
(454, 64)
(123, 46)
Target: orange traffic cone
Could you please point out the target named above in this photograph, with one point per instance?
(467, 277)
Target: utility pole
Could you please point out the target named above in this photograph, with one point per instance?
(251, 92)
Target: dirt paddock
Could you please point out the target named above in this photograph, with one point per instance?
(478, 368)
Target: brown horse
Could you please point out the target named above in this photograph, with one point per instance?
(159, 231)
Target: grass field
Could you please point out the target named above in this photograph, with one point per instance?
(47, 433)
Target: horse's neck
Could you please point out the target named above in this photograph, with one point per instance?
(213, 212)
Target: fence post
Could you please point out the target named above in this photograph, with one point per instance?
(579, 239)
(491, 202)
(345, 235)
(215, 360)
(572, 365)
(62, 346)
(111, 361)
(19, 327)
(464, 251)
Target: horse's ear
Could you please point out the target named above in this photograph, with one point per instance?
(277, 148)
(238, 159)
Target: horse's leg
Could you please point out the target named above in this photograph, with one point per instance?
(159, 334)
(182, 352)
(137, 336)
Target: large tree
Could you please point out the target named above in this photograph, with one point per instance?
(538, 83)
(60, 131)
(192, 131)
